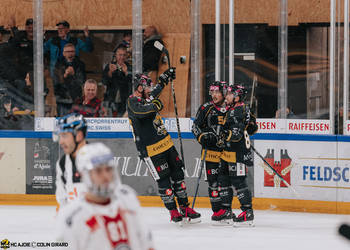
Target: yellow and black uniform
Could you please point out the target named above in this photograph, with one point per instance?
(208, 119)
(157, 149)
(235, 156)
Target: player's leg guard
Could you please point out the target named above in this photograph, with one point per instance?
(225, 186)
(245, 198)
(181, 194)
(179, 186)
(167, 195)
(211, 176)
(224, 215)
(214, 196)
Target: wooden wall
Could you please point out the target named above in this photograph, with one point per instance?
(171, 17)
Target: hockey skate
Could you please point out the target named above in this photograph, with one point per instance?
(189, 215)
(223, 217)
(246, 218)
(176, 217)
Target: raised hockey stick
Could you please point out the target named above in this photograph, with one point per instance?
(272, 169)
(199, 177)
(161, 47)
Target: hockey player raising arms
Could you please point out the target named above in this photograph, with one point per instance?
(210, 117)
(155, 145)
(236, 157)
(107, 217)
(70, 133)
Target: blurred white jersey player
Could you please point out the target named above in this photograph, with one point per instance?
(108, 216)
(70, 133)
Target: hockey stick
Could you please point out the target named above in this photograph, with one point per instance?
(273, 170)
(252, 94)
(344, 230)
(199, 177)
(161, 47)
(218, 128)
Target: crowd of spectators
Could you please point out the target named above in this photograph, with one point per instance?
(66, 74)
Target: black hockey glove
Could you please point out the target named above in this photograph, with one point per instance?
(208, 139)
(169, 74)
(252, 128)
(158, 104)
(225, 135)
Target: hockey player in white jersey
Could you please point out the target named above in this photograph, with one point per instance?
(108, 216)
(70, 133)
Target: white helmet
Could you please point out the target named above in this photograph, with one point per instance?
(92, 156)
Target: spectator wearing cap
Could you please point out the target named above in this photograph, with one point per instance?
(56, 44)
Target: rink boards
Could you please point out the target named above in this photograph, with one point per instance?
(316, 166)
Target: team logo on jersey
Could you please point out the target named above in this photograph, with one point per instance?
(282, 167)
(159, 125)
(183, 185)
(169, 191)
(215, 193)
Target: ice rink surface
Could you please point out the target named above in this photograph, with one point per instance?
(273, 230)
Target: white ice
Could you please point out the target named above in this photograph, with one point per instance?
(273, 230)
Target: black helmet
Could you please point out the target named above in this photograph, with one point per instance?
(142, 79)
(238, 90)
(218, 85)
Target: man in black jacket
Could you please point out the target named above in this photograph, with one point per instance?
(22, 42)
(117, 77)
(151, 55)
(69, 79)
(156, 147)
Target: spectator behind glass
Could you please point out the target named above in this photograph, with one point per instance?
(56, 44)
(24, 95)
(89, 105)
(68, 80)
(8, 117)
(117, 79)
(2, 31)
(127, 43)
(151, 55)
(22, 44)
(289, 113)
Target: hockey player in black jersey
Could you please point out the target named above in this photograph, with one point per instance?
(70, 133)
(239, 124)
(156, 147)
(209, 118)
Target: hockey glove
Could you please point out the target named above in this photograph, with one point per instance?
(158, 104)
(225, 135)
(169, 74)
(207, 139)
(252, 128)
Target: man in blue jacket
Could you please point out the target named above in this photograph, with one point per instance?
(56, 44)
